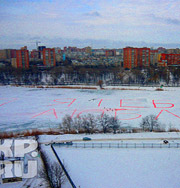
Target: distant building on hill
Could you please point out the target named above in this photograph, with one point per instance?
(136, 57)
(169, 60)
(110, 53)
(7, 54)
(40, 50)
(49, 59)
(22, 58)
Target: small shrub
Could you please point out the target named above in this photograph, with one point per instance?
(159, 130)
(159, 89)
(72, 132)
(173, 130)
(137, 130)
(81, 131)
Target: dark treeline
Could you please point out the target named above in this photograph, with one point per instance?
(91, 75)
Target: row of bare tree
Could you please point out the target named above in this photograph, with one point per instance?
(105, 124)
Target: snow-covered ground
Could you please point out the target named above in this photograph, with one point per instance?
(129, 168)
(116, 167)
(27, 108)
(24, 108)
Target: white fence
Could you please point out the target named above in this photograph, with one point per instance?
(119, 145)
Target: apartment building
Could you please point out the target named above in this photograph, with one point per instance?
(136, 57)
(49, 59)
(22, 58)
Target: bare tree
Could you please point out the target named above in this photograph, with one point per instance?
(52, 173)
(77, 123)
(104, 122)
(149, 123)
(115, 124)
(89, 123)
(67, 123)
(43, 174)
(57, 175)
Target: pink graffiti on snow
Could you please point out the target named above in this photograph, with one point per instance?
(9, 100)
(73, 113)
(91, 110)
(103, 111)
(59, 101)
(168, 112)
(155, 105)
(99, 104)
(53, 111)
(138, 116)
(116, 110)
(121, 104)
(125, 106)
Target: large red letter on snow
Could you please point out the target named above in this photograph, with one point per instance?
(136, 115)
(47, 112)
(121, 101)
(155, 105)
(68, 101)
(168, 112)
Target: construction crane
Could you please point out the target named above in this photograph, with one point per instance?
(37, 42)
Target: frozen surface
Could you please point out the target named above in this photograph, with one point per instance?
(116, 168)
(24, 108)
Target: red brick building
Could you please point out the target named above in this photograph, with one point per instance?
(144, 57)
(34, 54)
(169, 59)
(154, 57)
(13, 53)
(130, 57)
(22, 58)
(110, 53)
(136, 57)
(49, 59)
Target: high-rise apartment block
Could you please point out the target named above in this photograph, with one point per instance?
(40, 50)
(22, 58)
(49, 59)
(154, 57)
(136, 57)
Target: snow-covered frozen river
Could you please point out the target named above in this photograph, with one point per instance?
(26, 108)
(112, 168)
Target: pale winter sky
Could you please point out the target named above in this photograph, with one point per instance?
(98, 23)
